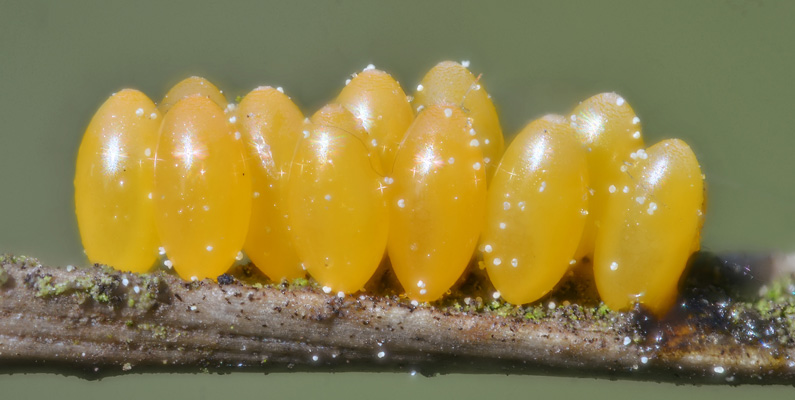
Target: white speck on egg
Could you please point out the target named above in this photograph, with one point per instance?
(476, 166)
(502, 225)
(496, 295)
(448, 112)
(232, 119)
(474, 143)
(326, 289)
(614, 266)
(209, 248)
(139, 112)
(401, 203)
(635, 120)
(420, 87)
(612, 189)
(515, 262)
(487, 248)
(636, 135)
(620, 101)
(465, 63)
(497, 261)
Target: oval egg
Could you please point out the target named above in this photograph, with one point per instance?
(270, 125)
(114, 183)
(437, 203)
(202, 189)
(382, 108)
(336, 202)
(610, 131)
(451, 83)
(535, 212)
(648, 232)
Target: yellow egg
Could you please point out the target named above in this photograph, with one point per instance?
(535, 210)
(609, 129)
(380, 104)
(270, 125)
(437, 202)
(336, 202)
(114, 183)
(649, 230)
(451, 83)
(192, 86)
(202, 189)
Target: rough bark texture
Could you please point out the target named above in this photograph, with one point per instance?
(96, 322)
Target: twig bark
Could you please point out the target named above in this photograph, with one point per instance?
(96, 322)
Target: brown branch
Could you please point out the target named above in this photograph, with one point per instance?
(96, 322)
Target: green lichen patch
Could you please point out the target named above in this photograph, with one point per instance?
(159, 332)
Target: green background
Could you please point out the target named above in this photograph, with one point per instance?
(718, 74)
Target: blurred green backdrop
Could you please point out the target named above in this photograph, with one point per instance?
(718, 74)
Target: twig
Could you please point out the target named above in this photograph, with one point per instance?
(96, 322)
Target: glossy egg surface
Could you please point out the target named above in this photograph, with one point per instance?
(337, 202)
(535, 210)
(202, 189)
(383, 110)
(114, 182)
(192, 86)
(271, 126)
(437, 202)
(610, 131)
(648, 231)
(451, 83)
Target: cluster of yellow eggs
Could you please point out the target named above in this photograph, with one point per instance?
(426, 180)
